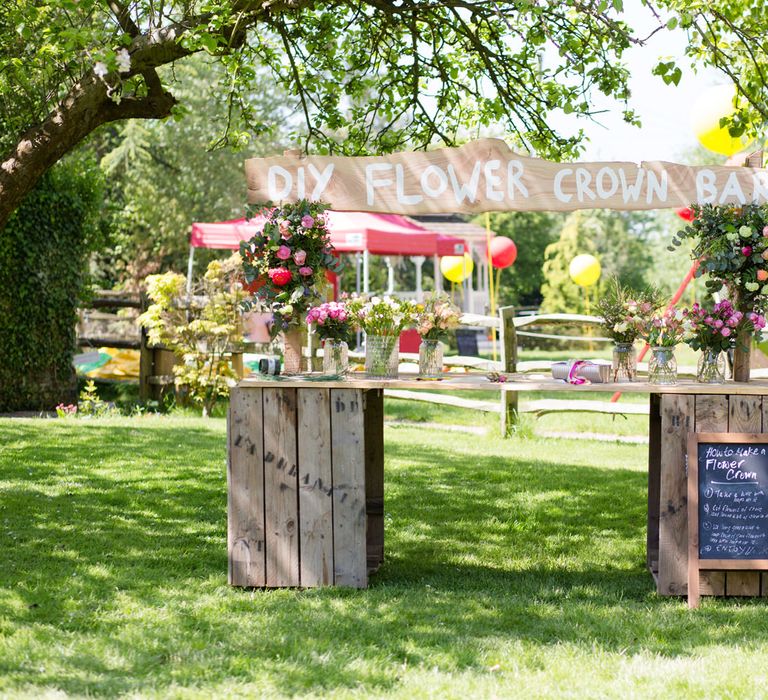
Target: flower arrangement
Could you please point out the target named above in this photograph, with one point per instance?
(625, 312)
(731, 243)
(436, 316)
(664, 330)
(381, 315)
(285, 263)
(332, 320)
(716, 328)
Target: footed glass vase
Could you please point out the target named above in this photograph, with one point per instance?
(711, 367)
(430, 359)
(335, 357)
(662, 367)
(382, 356)
(624, 367)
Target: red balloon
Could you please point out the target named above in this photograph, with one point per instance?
(686, 214)
(503, 251)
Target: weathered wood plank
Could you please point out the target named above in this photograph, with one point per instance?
(315, 488)
(349, 516)
(712, 415)
(374, 476)
(742, 583)
(711, 582)
(676, 412)
(654, 486)
(745, 414)
(245, 489)
(281, 485)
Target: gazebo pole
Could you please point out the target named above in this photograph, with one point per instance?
(366, 272)
(190, 267)
(418, 260)
(438, 274)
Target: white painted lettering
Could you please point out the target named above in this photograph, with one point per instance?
(402, 197)
(277, 171)
(657, 188)
(515, 172)
(492, 181)
(372, 182)
(583, 180)
(442, 180)
(602, 191)
(300, 188)
(462, 191)
(760, 187)
(631, 191)
(733, 189)
(558, 184)
(706, 192)
(321, 180)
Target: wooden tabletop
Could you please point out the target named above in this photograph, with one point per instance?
(515, 382)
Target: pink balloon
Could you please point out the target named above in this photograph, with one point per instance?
(686, 214)
(503, 251)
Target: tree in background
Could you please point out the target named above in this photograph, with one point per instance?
(165, 175)
(532, 232)
(365, 75)
(43, 255)
(617, 239)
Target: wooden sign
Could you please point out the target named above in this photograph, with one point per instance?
(486, 175)
(727, 504)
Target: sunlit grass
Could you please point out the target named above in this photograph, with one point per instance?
(513, 569)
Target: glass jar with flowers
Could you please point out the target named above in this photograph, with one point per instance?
(623, 312)
(715, 330)
(284, 266)
(434, 317)
(382, 319)
(333, 324)
(663, 332)
(731, 243)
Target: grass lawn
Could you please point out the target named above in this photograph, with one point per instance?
(514, 569)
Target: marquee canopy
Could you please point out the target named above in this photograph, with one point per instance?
(351, 232)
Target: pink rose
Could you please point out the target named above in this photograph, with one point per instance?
(307, 221)
(283, 252)
(765, 231)
(746, 250)
(725, 332)
(718, 323)
(285, 229)
(299, 257)
(305, 271)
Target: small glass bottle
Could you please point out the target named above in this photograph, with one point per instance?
(624, 362)
(711, 367)
(430, 359)
(335, 357)
(662, 367)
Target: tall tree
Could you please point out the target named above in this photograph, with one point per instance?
(365, 74)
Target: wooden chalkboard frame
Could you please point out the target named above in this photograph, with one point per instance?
(694, 439)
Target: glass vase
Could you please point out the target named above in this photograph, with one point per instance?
(624, 362)
(662, 367)
(382, 356)
(335, 357)
(711, 367)
(430, 359)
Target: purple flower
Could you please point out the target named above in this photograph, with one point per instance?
(307, 221)
(725, 332)
(305, 271)
(746, 251)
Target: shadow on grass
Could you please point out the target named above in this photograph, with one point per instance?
(113, 545)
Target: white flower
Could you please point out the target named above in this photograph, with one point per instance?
(100, 68)
(123, 59)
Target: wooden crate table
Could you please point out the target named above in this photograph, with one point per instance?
(306, 474)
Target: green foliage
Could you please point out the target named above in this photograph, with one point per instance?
(43, 251)
(89, 403)
(732, 244)
(625, 311)
(202, 337)
(617, 239)
(532, 232)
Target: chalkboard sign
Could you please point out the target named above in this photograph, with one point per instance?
(727, 504)
(466, 340)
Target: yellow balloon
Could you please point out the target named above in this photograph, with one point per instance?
(456, 268)
(710, 107)
(584, 270)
